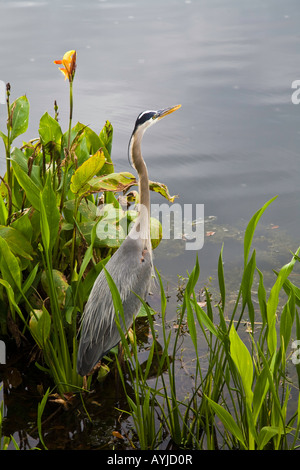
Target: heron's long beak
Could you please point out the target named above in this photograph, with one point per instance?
(164, 112)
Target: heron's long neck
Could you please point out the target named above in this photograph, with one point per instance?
(144, 215)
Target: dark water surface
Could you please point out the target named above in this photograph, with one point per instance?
(232, 146)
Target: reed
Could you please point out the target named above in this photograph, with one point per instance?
(242, 399)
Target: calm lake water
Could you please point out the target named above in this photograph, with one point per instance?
(233, 145)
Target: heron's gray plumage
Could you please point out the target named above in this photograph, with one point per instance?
(131, 267)
(99, 333)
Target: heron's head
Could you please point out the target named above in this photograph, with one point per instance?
(145, 120)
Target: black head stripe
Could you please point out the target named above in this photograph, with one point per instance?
(144, 117)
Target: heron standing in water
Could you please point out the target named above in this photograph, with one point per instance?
(130, 267)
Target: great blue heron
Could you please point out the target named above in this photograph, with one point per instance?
(130, 267)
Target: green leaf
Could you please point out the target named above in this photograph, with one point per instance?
(31, 189)
(3, 211)
(106, 136)
(260, 390)
(161, 189)
(16, 241)
(9, 265)
(266, 433)
(90, 168)
(155, 232)
(51, 210)
(60, 283)
(262, 297)
(227, 420)
(242, 359)
(11, 298)
(18, 156)
(23, 225)
(246, 285)
(19, 115)
(251, 229)
(143, 311)
(4, 137)
(49, 130)
(273, 302)
(221, 279)
(109, 234)
(204, 319)
(40, 326)
(111, 182)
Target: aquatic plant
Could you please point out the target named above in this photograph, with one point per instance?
(241, 398)
(60, 221)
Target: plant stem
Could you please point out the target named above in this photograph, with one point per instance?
(7, 148)
(67, 156)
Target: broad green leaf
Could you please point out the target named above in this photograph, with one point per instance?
(23, 225)
(31, 189)
(112, 182)
(266, 433)
(86, 208)
(18, 156)
(19, 115)
(40, 326)
(109, 234)
(60, 283)
(155, 232)
(143, 311)
(90, 168)
(242, 359)
(228, 421)
(251, 229)
(51, 210)
(273, 302)
(16, 241)
(9, 265)
(49, 130)
(92, 141)
(161, 189)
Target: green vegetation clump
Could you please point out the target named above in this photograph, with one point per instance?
(61, 219)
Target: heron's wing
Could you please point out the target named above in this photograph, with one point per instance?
(130, 267)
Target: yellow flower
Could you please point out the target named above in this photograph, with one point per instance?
(69, 65)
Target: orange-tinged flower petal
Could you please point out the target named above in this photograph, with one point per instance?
(69, 63)
(64, 72)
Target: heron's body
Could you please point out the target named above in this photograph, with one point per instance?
(131, 268)
(99, 310)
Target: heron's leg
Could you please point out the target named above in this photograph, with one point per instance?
(84, 383)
